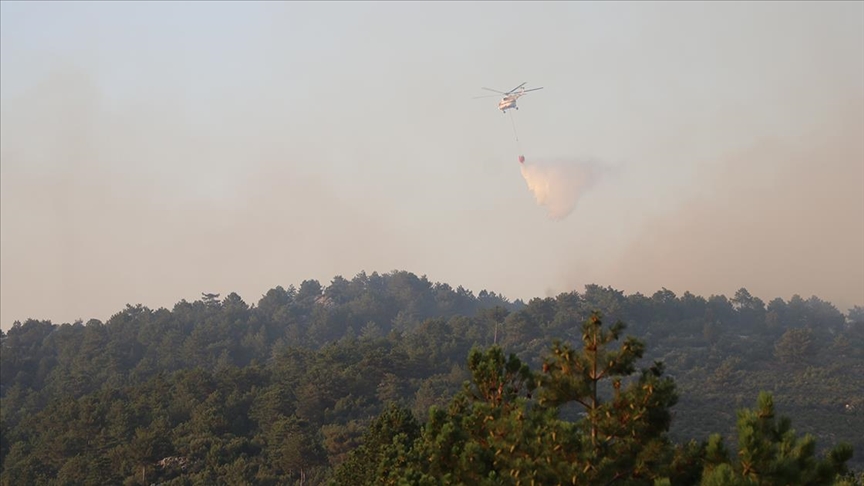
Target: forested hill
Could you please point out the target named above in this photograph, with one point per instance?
(221, 390)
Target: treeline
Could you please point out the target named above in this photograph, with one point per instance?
(217, 390)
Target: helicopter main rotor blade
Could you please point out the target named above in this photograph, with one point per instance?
(495, 90)
(517, 87)
(532, 89)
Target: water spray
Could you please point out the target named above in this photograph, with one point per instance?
(559, 184)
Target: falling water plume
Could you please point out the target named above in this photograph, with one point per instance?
(558, 184)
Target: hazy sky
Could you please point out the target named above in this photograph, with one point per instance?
(153, 151)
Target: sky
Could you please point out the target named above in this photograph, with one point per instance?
(153, 151)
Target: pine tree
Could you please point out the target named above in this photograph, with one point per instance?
(384, 449)
(482, 437)
(771, 453)
(505, 426)
(623, 432)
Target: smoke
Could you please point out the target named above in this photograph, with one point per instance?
(559, 184)
(102, 207)
(784, 216)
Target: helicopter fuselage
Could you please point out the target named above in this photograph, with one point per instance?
(507, 103)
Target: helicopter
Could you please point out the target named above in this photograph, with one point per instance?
(509, 100)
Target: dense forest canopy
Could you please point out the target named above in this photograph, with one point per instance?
(308, 381)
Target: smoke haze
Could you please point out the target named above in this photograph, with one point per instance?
(135, 167)
(783, 217)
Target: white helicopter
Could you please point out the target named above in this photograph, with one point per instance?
(510, 97)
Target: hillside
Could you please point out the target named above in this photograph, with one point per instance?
(218, 388)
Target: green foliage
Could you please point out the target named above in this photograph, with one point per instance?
(480, 437)
(495, 431)
(624, 434)
(795, 346)
(281, 391)
(383, 449)
(771, 453)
